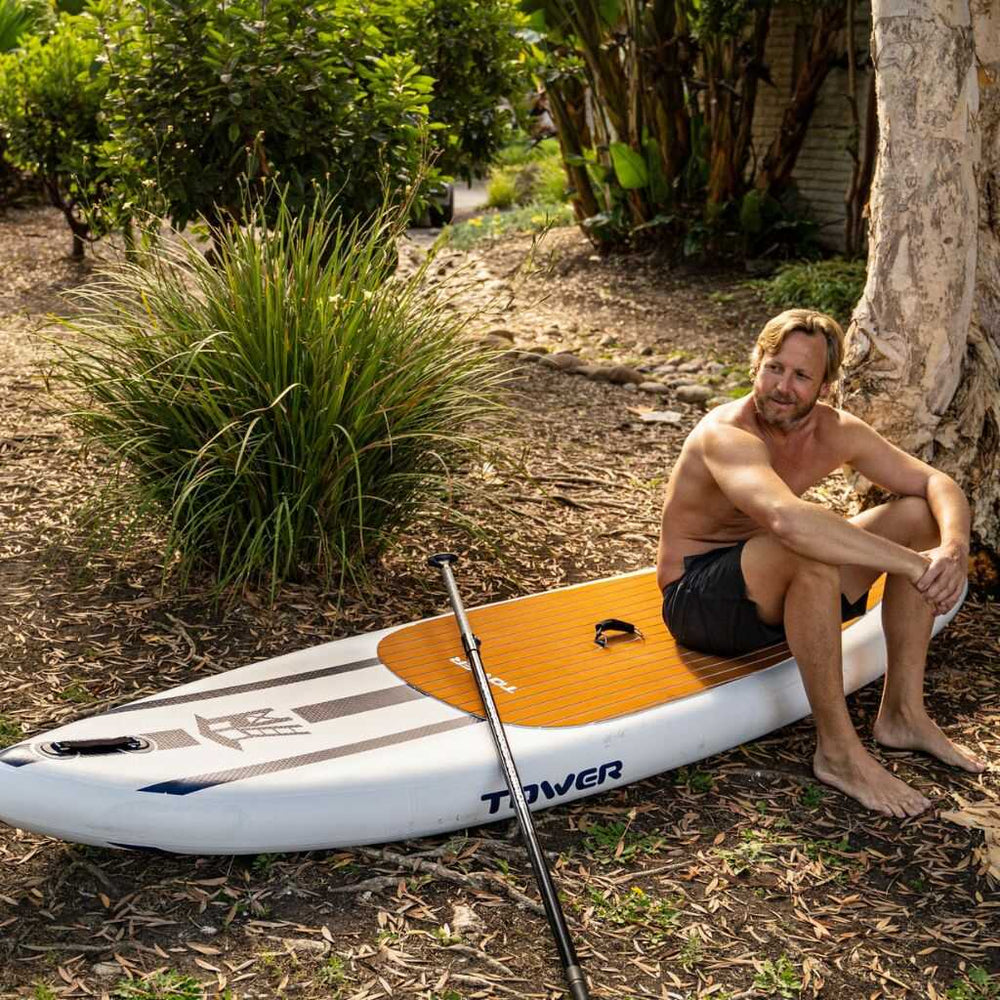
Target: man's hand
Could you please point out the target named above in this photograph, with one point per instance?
(943, 580)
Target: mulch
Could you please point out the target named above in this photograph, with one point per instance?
(738, 877)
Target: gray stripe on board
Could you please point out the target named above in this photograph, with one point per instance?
(197, 782)
(222, 692)
(339, 707)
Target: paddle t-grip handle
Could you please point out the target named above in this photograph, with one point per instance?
(440, 559)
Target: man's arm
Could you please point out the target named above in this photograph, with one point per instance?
(741, 466)
(893, 469)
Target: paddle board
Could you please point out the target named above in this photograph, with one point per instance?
(379, 737)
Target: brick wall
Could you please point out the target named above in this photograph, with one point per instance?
(823, 169)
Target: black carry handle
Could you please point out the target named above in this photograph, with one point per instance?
(614, 625)
(94, 748)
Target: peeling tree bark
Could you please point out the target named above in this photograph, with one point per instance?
(923, 347)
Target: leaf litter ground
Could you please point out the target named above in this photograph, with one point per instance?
(735, 878)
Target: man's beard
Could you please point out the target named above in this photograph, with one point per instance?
(782, 417)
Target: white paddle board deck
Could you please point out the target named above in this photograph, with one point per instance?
(376, 738)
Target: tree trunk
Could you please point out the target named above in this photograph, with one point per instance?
(824, 50)
(923, 351)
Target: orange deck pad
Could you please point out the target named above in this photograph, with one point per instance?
(546, 669)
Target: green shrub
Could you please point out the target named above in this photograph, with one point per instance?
(471, 50)
(832, 286)
(209, 95)
(536, 179)
(19, 18)
(51, 92)
(501, 190)
(289, 409)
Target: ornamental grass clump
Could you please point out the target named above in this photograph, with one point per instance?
(291, 405)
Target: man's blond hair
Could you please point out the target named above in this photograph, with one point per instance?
(809, 322)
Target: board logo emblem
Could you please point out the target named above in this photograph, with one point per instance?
(257, 723)
(589, 777)
(497, 682)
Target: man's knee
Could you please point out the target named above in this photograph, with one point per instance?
(918, 523)
(815, 573)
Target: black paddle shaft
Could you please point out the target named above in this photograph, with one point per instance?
(553, 910)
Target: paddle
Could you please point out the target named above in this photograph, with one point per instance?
(557, 922)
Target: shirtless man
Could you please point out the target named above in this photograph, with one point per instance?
(744, 562)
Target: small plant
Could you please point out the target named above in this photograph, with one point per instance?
(42, 992)
(695, 780)
(263, 863)
(288, 409)
(812, 796)
(977, 984)
(76, 692)
(333, 974)
(832, 286)
(691, 951)
(752, 851)
(10, 732)
(603, 840)
(167, 985)
(778, 979)
(638, 908)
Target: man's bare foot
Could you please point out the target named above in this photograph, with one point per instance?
(859, 775)
(921, 732)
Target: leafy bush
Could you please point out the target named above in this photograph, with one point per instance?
(291, 408)
(211, 94)
(19, 18)
(471, 50)
(832, 286)
(51, 91)
(537, 177)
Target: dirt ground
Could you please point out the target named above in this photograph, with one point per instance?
(737, 878)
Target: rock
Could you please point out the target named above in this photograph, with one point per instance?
(562, 361)
(715, 380)
(536, 349)
(306, 946)
(672, 362)
(646, 350)
(608, 340)
(630, 387)
(587, 371)
(690, 366)
(715, 367)
(657, 388)
(715, 401)
(107, 970)
(488, 340)
(695, 393)
(661, 417)
(465, 920)
(501, 331)
(623, 374)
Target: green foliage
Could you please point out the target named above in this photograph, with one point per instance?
(471, 51)
(976, 984)
(333, 974)
(19, 18)
(51, 93)
(290, 409)
(614, 842)
(167, 985)
(10, 732)
(493, 225)
(778, 979)
(535, 179)
(832, 286)
(210, 94)
(636, 908)
(42, 992)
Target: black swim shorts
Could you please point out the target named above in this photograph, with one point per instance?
(707, 609)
